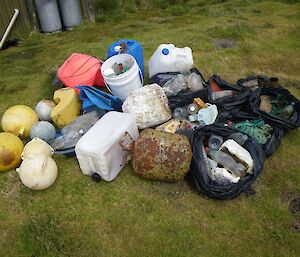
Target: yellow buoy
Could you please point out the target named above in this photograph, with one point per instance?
(11, 148)
(19, 120)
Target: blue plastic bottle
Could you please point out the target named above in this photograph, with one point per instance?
(134, 48)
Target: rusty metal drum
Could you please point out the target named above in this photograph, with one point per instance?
(161, 156)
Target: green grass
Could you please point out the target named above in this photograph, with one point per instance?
(135, 217)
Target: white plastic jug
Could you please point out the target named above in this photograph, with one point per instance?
(168, 58)
(99, 150)
(121, 85)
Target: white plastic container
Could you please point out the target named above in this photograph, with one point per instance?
(168, 58)
(121, 85)
(99, 150)
(239, 152)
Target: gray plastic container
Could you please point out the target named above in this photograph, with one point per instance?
(48, 15)
(71, 13)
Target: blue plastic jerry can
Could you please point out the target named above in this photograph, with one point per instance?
(131, 47)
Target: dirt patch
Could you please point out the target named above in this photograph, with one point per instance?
(287, 196)
(294, 205)
(223, 43)
(27, 54)
(293, 200)
(12, 189)
(295, 227)
(6, 89)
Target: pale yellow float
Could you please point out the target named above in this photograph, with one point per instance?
(19, 120)
(11, 148)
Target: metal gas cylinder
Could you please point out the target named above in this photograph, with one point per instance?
(161, 156)
(48, 15)
(71, 13)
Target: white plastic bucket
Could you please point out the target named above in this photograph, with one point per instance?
(122, 85)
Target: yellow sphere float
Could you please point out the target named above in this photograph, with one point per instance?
(19, 120)
(11, 148)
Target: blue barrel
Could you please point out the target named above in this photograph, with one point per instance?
(133, 48)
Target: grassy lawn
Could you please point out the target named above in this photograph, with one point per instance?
(135, 217)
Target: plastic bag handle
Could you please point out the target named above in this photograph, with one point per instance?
(129, 145)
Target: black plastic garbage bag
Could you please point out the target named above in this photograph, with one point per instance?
(186, 98)
(284, 97)
(227, 103)
(239, 116)
(258, 81)
(198, 174)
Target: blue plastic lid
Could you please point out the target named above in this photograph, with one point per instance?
(165, 51)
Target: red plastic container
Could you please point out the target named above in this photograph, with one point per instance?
(81, 70)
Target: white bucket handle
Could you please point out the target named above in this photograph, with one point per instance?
(140, 75)
(107, 86)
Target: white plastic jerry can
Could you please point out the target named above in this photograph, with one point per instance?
(99, 150)
(168, 58)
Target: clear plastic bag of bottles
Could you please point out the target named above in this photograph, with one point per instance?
(71, 133)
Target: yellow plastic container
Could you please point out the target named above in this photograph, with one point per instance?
(67, 108)
(19, 120)
(11, 148)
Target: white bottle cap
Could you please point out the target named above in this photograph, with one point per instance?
(118, 49)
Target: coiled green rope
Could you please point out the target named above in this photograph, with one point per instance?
(256, 129)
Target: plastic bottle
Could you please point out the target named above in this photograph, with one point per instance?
(206, 163)
(180, 113)
(175, 85)
(212, 164)
(121, 68)
(127, 65)
(215, 142)
(223, 177)
(238, 137)
(217, 95)
(205, 115)
(287, 112)
(194, 82)
(116, 69)
(251, 84)
(192, 109)
(228, 162)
